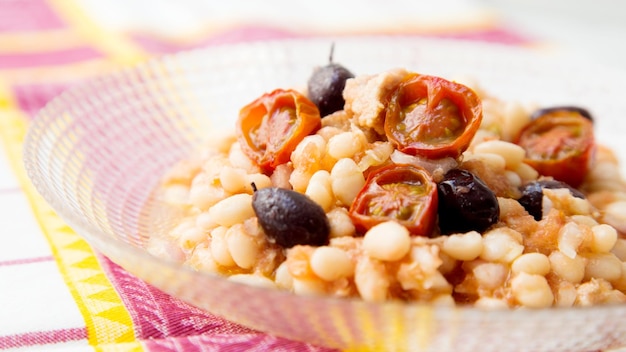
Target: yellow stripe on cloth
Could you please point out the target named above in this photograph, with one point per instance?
(39, 41)
(107, 320)
(115, 46)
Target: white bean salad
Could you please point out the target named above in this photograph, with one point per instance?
(404, 186)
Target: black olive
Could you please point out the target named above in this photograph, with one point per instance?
(532, 195)
(289, 218)
(562, 109)
(325, 86)
(465, 203)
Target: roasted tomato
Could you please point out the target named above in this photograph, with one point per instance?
(432, 117)
(271, 127)
(400, 192)
(559, 143)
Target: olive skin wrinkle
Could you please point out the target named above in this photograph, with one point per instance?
(326, 88)
(465, 203)
(289, 218)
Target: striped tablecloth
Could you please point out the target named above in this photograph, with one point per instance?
(56, 292)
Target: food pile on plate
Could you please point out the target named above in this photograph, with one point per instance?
(404, 186)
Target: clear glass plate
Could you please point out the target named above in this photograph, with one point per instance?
(97, 152)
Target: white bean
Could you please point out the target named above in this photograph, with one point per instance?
(299, 180)
(580, 206)
(330, 263)
(387, 241)
(526, 172)
(531, 263)
(340, 223)
(239, 159)
(501, 245)
(532, 290)
(282, 277)
(515, 117)
(513, 154)
(466, 246)
(617, 210)
(570, 238)
(219, 247)
(620, 249)
(346, 180)
(584, 220)
(233, 180)
(344, 145)
(259, 180)
(320, 191)
(490, 275)
(243, 248)
(232, 210)
(514, 179)
(183, 226)
(191, 237)
(492, 160)
(604, 238)
(203, 195)
(205, 222)
(603, 266)
(567, 268)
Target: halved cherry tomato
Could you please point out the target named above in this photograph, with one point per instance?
(271, 127)
(400, 192)
(560, 143)
(432, 117)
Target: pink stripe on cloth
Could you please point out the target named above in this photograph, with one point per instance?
(249, 33)
(26, 261)
(158, 315)
(31, 339)
(11, 61)
(23, 15)
(32, 97)
(221, 342)
(165, 323)
(499, 35)
(236, 35)
(156, 45)
(10, 190)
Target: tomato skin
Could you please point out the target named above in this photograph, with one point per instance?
(450, 114)
(413, 202)
(560, 144)
(270, 127)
